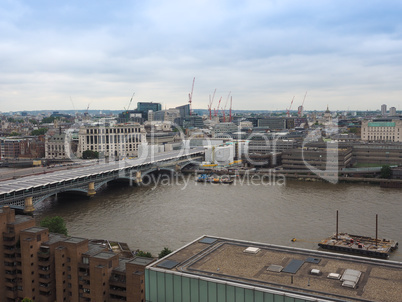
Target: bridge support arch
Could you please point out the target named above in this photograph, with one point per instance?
(91, 189)
(28, 205)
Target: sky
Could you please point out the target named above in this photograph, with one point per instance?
(68, 55)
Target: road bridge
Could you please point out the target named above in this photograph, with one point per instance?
(25, 192)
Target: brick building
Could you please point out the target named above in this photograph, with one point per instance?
(49, 267)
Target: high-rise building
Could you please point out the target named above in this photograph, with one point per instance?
(144, 107)
(392, 111)
(43, 266)
(383, 109)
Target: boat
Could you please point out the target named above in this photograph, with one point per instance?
(214, 179)
(357, 244)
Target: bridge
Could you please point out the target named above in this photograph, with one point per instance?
(25, 192)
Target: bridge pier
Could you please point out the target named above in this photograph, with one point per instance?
(91, 189)
(28, 205)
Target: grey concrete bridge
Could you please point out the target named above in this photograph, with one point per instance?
(24, 193)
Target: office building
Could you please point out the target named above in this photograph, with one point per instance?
(382, 130)
(116, 141)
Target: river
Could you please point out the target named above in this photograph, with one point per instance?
(174, 213)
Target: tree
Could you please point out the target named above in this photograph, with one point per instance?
(143, 254)
(55, 224)
(386, 172)
(166, 251)
(40, 131)
(89, 154)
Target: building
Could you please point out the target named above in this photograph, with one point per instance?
(330, 158)
(117, 141)
(168, 115)
(392, 111)
(225, 128)
(212, 269)
(382, 130)
(57, 146)
(184, 110)
(281, 123)
(327, 115)
(144, 108)
(376, 153)
(10, 148)
(24, 147)
(383, 109)
(49, 267)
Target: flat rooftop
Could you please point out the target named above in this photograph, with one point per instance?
(286, 269)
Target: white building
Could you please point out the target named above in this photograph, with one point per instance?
(221, 155)
(389, 130)
(117, 141)
(392, 111)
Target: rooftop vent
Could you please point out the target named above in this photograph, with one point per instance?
(350, 278)
(315, 271)
(252, 250)
(275, 268)
(334, 276)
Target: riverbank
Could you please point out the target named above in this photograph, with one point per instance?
(305, 176)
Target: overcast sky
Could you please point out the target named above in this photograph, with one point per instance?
(68, 54)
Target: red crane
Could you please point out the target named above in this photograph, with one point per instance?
(224, 108)
(290, 107)
(230, 110)
(210, 104)
(216, 111)
(190, 95)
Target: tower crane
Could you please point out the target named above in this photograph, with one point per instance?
(224, 108)
(216, 111)
(300, 111)
(210, 104)
(230, 110)
(290, 107)
(190, 95)
(129, 103)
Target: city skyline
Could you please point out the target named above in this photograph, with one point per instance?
(75, 55)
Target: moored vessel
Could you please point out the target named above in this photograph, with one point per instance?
(361, 245)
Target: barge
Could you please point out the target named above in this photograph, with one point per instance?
(361, 245)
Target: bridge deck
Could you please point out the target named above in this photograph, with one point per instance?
(29, 182)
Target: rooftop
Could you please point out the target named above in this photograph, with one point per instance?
(286, 269)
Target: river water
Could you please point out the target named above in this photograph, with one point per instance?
(175, 212)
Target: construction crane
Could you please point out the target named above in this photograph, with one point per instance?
(230, 110)
(190, 96)
(216, 111)
(224, 108)
(86, 111)
(210, 104)
(300, 111)
(290, 107)
(129, 103)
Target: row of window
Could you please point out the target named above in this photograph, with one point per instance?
(113, 130)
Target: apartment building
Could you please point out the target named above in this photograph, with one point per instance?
(49, 267)
(115, 141)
